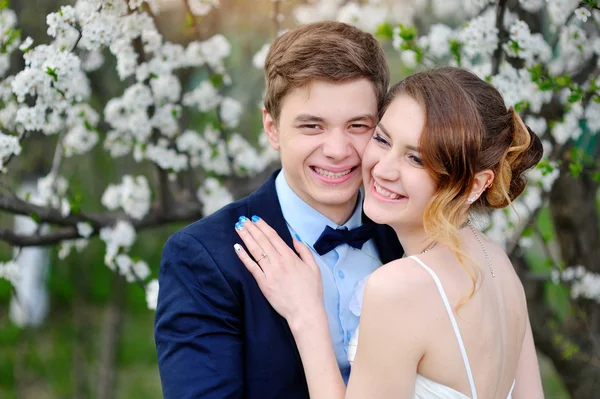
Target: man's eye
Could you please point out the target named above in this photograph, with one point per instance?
(309, 126)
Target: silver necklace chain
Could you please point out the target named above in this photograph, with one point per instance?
(487, 256)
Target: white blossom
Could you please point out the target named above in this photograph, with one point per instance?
(437, 41)
(592, 115)
(166, 89)
(582, 14)
(165, 119)
(532, 6)
(202, 7)
(584, 284)
(544, 180)
(79, 140)
(213, 196)
(530, 47)
(121, 236)
(152, 294)
(166, 158)
(132, 271)
(230, 112)
(205, 97)
(84, 229)
(480, 35)
(26, 45)
(258, 60)
(10, 271)
(133, 195)
(9, 145)
(67, 245)
(537, 124)
(569, 128)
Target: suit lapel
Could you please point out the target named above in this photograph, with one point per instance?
(264, 203)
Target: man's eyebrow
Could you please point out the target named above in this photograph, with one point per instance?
(369, 117)
(309, 118)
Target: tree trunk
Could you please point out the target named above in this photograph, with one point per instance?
(113, 321)
(572, 346)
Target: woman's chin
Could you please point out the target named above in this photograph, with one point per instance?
(375, 213)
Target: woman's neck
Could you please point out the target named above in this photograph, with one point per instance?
(414, 239)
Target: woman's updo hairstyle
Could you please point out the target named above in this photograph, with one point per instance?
(467, 129)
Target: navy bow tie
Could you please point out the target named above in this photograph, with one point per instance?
(331, 238)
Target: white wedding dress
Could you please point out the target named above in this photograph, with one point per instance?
(426, 388)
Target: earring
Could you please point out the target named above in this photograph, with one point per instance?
(471, 200)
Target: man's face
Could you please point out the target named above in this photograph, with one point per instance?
(322, 131)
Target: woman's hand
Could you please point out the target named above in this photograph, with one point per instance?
(291, 285)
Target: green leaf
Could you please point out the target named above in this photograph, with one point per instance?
(407, 33)
(536, 72)
(576, 94)
(385, 31)
(35, 217)
(216, 80)
(597, 176)
(563, 81)
(455, 47)
(4, 4)
(52, 72)
(190, 20)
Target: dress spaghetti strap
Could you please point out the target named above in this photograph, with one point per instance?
(463, 352)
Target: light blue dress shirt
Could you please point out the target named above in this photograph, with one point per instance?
(341, 269)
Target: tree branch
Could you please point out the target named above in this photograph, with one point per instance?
(180, 212)
(497, 58)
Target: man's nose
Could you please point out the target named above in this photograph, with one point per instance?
(337, 145)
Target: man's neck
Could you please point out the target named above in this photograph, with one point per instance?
(340, 213)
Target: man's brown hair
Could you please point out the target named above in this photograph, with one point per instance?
(330, 51)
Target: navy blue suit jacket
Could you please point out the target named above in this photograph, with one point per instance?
(216, 334)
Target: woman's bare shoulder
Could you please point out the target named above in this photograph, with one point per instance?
(402, 280)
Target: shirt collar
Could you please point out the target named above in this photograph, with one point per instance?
(303, 219)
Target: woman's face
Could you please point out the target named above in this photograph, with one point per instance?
(397, 187)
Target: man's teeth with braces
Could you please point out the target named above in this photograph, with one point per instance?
(385, 192)
(329, 174)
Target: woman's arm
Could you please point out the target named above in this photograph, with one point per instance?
(391, 344)
(528, 383)
(311, 333)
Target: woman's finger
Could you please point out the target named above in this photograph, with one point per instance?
(253, 267)
(304, 252)
(274, 239)
(254, 248)
(261, 239)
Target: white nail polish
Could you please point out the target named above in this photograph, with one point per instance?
(237, 247)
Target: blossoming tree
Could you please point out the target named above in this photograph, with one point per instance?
(543, 55)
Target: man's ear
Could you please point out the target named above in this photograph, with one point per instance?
(481, 183)
(270, 127)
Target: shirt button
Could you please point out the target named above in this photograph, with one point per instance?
(349, 335)
(341, 274)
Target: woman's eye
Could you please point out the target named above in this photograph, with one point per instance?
(380, 139)
(415, 159)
